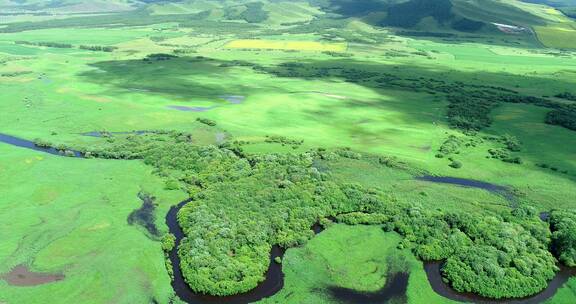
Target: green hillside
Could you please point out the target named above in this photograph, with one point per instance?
(415, 17)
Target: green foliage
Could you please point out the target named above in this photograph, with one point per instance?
(507, 258)
(511, 142)
(283, 140)
(246, 204)
(98, 48)
(168, 242)
(392, 162)
(42, 143)
(169, 266)
(456, 164)
(563, 225)
(565, 117)
(159, 57)
(47, 44)
(348, 153)
(505, 156)
(206, 121)
(566, 95)
(356, 218)
(172, 184)
(450, 146)
(254, 13)
(507, 153)
(468, 113)
(482, 252)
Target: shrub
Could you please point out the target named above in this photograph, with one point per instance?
(206, 121)
(168, 242)
(563, 226)
(456, 164)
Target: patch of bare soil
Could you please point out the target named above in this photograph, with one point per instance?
(22, 276)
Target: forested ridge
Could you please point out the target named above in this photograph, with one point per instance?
(244, 204)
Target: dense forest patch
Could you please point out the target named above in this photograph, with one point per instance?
(243, 204)
(565, 117)
(563, 225)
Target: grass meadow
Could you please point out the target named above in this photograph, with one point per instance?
(354, 257)
(58, 218)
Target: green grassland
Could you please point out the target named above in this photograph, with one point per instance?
(350, 81)
(356, 257)
(351, 255)
(58, 218)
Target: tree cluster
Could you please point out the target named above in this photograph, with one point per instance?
(242, 205)
(563, 226)
(565, 117)
(98, 48)
(47, 44)
(566, 95)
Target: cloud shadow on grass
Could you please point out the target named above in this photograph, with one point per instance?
(185, 78)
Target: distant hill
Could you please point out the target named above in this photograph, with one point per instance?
(525, 20)
(430, 15)
(66, 6)
(553, 3)
(434, 15)
(568, 7)
(447, 15)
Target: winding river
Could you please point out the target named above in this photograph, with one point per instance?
(433, 268)
(274, 280)
(27, 144)
(435, 278)
(396, 287)
(271, 285)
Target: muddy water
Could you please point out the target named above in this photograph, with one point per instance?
(22, 276)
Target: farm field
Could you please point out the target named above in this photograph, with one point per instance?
(192, 151)
(557, 36)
